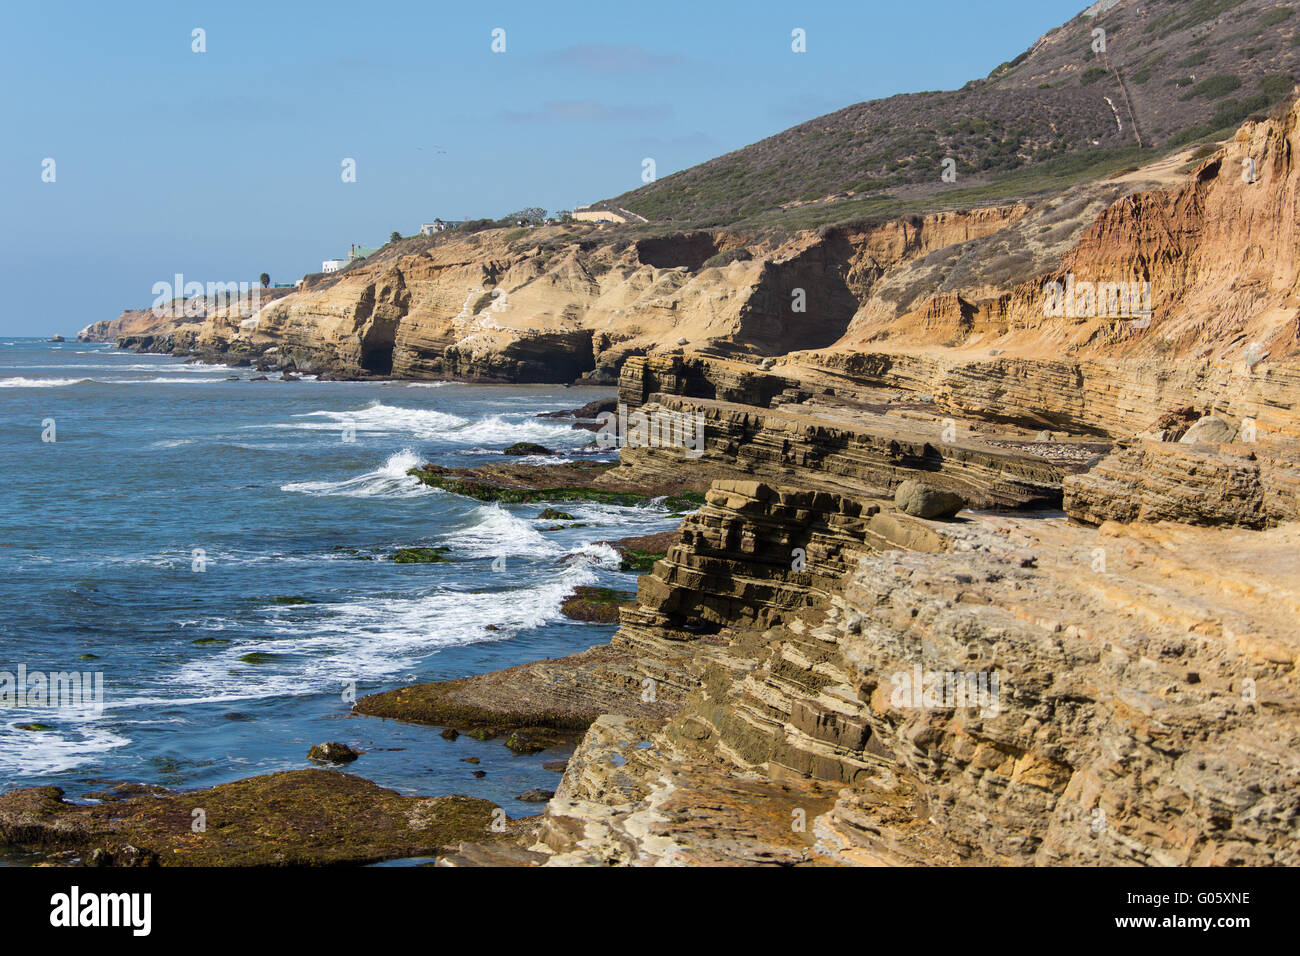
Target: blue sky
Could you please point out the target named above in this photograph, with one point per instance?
(223, 164)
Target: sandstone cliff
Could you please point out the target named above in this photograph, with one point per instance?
(1210, 257)
(1116, 606)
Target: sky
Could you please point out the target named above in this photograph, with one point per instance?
(229, 162)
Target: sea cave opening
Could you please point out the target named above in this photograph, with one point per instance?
(378, 360)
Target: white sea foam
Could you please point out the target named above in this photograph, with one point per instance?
(427, 424)
(599, 554)
(21, 382)
(160, 381)
(322, 649)
(495, 532)
(543, 460)
(69, 744)
(388, 481)
(423, 423)
(497, 430)
(24, 382)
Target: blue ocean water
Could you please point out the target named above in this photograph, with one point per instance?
(151, 540)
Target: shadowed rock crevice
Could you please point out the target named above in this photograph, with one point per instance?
(687, 250)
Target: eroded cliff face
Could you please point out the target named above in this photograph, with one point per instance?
(1213, 253)
(1097, 685)
(558, 303)
(1218, 254)
(1119, 707)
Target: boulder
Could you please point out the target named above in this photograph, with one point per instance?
(519, 449)
(332, 752)
(1211, 428)
(922, 501)
(536, 795)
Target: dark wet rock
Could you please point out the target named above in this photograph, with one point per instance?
(557, 697)
(420, 555)
(257, 657)
(332, 752)
(480, 774)
(298, 818)
(590, 410)
(449, 733)
(530, 741)
(556, 766)
(522, 448)
(596, 481)
(470, 760)
(125, 791)
(551, 514)
(536, 795)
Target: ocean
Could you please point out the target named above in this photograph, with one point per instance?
(207, 545)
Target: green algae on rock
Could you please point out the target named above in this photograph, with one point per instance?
(258, 657)
(596, 605)
(639, 553)
(434, 555)
(297, 818)
(522, 448)
(332, 752)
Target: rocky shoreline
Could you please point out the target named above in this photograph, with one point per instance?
(957, 582)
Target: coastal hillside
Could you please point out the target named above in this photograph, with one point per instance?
(1171, 72)
(574, 302)
(994, 556)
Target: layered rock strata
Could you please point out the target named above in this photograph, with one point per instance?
(1143, 712)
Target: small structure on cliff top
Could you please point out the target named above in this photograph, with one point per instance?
(439, 225)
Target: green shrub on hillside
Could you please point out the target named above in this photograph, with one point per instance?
(1216, 87)
(1277, 84)
(727, 257)
(1196, 59)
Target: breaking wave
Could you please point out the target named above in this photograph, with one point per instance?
(388, 481)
